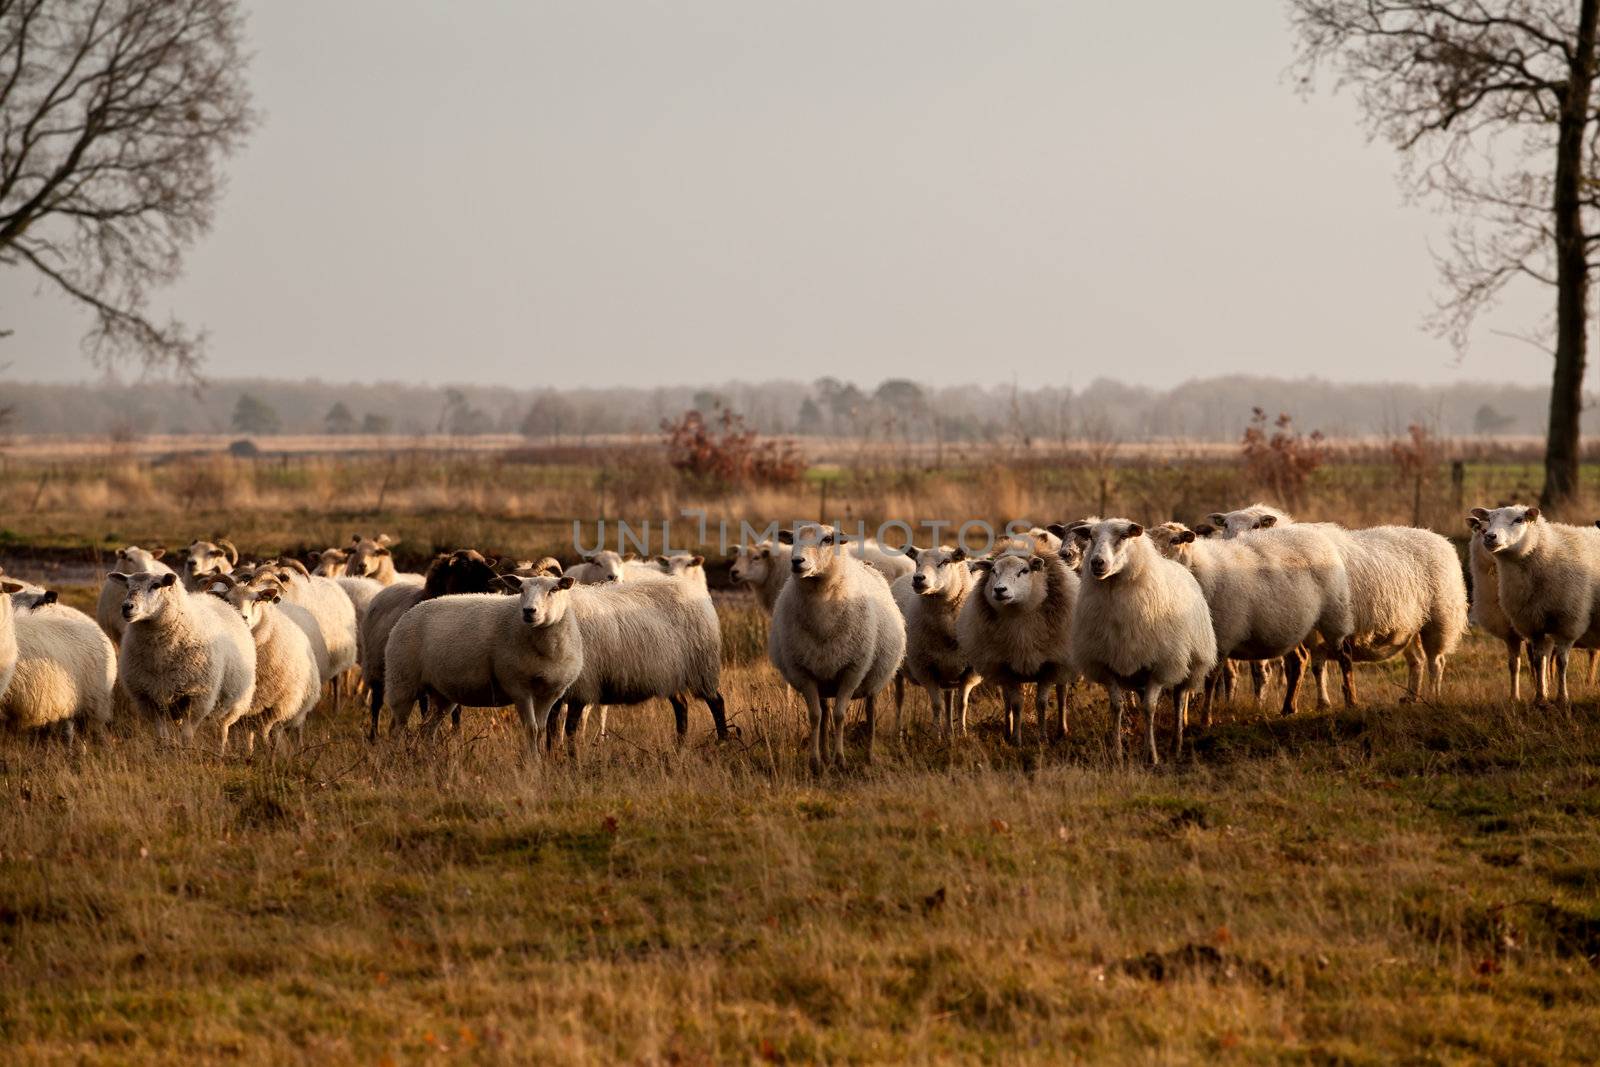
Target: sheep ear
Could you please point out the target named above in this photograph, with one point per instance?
(381, 552)
(157, 553)
(49, 597)
(355, 539)
(1205, 529)
(1475, 524)
(511, 582)
(911, 551)
(1035, 563)
(958, 554)
(1267, 522)
(1479, 513)
(1057, 528)
(1134, 530)
(166, 580)
(1217, 518)
(387, 541)
(1531, 514)
(984, 565)
(785, 537)
(1184, 537)
(566, 582)
(314, 557)
(117, 576)
(697, 561)
(8, 586)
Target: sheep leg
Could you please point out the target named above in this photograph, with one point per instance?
(1536, 666)
(1013, 696)
(1258, 679)
(1562, 694)
(1152, 699)
(1114, 695)
(1514, 666)
(1294, 665)
(816, 709)
(1061, 710)
(899, 701)
(1347, 671)
(375, 700)
(872, 725)
(937, 700)
(1041, 709)
(1180, 705)
(1416, 668)
(719, 715)
(1230, 678)
(680, 716)
(966, 698)
(1594, 661)
(530, 722)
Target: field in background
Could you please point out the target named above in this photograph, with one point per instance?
(1397, 882)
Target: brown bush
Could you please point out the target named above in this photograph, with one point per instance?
(1280, 458)
(726, 452)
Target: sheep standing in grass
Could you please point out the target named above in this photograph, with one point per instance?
(203, 559)
(130, 560)
(485, 650)
(330, 609)
(1015, 629)
(937, 590)
(836, 634)
(1407, 596)
(1549, 587)
(185, 657)
(763, 568)
(288, 682)
(1268, 594)
(644, 639)
(65, 665)
(1141, 623)
(461, 571)
(1486, 612)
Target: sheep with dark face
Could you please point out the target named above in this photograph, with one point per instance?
(836, 634)
(1141, 623)
(1015, 629)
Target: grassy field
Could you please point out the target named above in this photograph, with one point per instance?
(1389, 884)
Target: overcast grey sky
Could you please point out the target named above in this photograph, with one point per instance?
(586, 193)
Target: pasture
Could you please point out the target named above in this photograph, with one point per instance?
(1413, 882)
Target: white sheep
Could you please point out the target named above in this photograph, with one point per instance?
(487, 650)
(598, 568)
(1407, 596)
(836, 634)
(1485, 611)
(1549, 586)
(461, 571)
(371, 558)
(1015, 629)
(762, 567)
(288, 676)
(1268, 593)
(185, 657)
(931, 598)
(332, 615)
(362, 592)
(645, 639)
(66, 667)
(330, 562)
(202, 559)
(1141, 623)
(130, 560)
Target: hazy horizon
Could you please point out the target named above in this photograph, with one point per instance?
(588, 196)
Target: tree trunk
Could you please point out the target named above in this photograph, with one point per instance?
(1572, 275)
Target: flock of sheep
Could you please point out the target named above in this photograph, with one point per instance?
(1147, 613)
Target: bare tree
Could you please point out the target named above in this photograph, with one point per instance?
(114, 116)
(1491, 105)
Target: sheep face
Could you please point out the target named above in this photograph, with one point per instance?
(203, 558)
(148, 595)
(251, 601)
(751, 564)
(608, 565)
(469, 571)
(1106, 546)
(366, 557)
(139, 559)
(1505, 528)
(1014, 581)
(544, 599)
(330, 563)
(1170, 539)
(678, 565)
(816, 550)
(1254, 517)
(937, 569)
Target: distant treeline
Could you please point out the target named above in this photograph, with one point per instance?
(895, 409)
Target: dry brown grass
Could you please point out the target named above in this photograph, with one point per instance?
(1390, 884)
